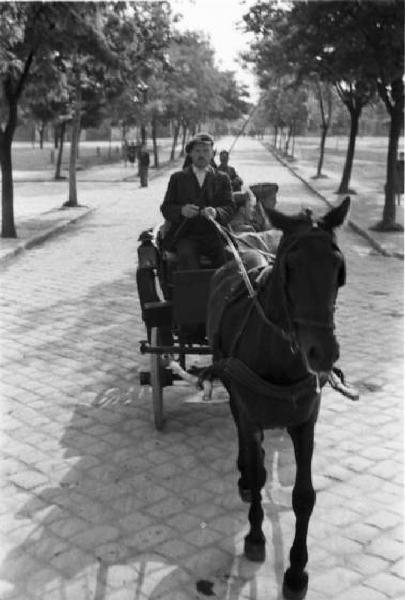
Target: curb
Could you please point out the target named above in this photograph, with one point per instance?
(38, 239)
(359, 230)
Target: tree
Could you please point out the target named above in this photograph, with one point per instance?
(196, 91)
(28, 32)
(141, 34)
(381, 25)
(358, 46)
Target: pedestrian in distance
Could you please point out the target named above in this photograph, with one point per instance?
(143, 165)
(225, 167)
(195, 194)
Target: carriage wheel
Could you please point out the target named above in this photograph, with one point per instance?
(156, 381)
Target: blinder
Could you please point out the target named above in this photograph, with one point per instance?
(341, 280)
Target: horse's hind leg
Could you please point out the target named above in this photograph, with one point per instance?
(255, 540)
(303, 500)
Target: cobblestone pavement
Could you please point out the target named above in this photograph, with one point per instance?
(97, 505)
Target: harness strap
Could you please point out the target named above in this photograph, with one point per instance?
(288, 336)
(240, 373)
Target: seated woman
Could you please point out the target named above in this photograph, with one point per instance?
(251, 225)
(245, 208)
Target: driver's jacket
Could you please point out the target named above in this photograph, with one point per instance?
(184, 189)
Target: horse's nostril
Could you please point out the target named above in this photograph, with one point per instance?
(313, 354)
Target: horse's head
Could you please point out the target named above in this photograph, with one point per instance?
(309, 269)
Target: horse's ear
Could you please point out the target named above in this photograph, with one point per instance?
(336, 216)
(279, 220)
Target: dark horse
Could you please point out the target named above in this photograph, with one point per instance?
(273, 350)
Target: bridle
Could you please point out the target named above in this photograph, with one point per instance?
(314, 233)
(286, 333)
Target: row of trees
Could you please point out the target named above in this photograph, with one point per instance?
(78, 64)
(352, 50)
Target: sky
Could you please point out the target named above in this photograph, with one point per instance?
(219, 19)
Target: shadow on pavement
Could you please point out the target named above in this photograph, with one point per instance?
(150, 515)
(146, 513)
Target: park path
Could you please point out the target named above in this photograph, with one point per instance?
(95, 504)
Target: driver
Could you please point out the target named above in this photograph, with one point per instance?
(194, 194)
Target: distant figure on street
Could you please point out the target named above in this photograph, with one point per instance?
(236, 181)
(129, 151)
(195, 194)
(143, 165)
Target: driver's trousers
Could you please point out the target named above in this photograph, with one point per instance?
(189, 250)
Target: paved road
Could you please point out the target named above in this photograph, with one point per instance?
(95, 504)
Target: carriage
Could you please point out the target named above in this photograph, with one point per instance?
(173, 305)
(274, 349)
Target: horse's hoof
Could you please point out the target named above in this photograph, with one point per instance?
(293, 590)
(255, 551)
(245, 495)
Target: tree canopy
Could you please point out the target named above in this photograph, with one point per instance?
(357, 46)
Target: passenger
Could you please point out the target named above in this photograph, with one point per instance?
(236, 181)
(194, 194)
(245, 212)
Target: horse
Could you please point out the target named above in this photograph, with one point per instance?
(273, 347)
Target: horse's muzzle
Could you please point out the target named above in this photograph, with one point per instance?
(320, 351)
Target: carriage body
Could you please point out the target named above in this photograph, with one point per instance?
(174, 305)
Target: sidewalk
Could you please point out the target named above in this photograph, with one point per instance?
(47, 216)
(366, 207)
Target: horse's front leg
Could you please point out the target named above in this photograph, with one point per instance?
(303, 499)
(256, 476)
(243, 482)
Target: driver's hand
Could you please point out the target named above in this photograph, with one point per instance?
(190, 210)
(209, 211)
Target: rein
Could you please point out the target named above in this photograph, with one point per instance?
(288, 336)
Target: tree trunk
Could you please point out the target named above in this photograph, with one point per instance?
(347, 170)
(41, 136)
(154, 141)
(175, 138)
(288, 139)
(7, 189)
(326, 117)
(74, 143)
(12, 94)
(395, 108)
(275, 136)
(183, 139)
(143, 134)
(58, 167)
(389, 211)
(324, 133)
